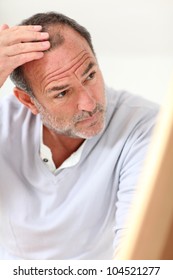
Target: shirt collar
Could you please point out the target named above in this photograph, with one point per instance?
(46, 156)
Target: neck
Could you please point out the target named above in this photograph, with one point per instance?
(61, 146)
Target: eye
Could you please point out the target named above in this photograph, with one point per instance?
(91, 76)
(61, 94)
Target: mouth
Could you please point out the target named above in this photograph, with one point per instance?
(90, 120)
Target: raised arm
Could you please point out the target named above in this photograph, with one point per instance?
(18, 45)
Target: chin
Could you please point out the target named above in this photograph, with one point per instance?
(90, 133)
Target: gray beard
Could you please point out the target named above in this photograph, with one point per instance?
(57, 125)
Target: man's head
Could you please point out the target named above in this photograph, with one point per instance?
(66, 85)
(52, 23)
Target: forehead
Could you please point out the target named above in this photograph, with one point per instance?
(68, 56)
(76, 65)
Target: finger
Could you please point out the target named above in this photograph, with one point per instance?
(25, 36)
(20, 34)
(18, 60)
(3, 27)
(26, 48)
(29, 33)
(22, 27)
(28, 27)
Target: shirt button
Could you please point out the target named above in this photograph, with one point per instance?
(45, 160)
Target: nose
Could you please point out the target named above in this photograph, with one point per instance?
(86, 101)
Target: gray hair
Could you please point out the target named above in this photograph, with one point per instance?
(48, 21)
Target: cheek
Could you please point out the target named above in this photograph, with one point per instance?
(99, 91)
(64, 113)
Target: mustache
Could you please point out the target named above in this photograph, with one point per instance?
(85, 114)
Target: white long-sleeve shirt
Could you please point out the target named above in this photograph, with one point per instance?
(80, 211)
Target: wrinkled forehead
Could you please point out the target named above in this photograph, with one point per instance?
(69, 57)
(74, 66)
(81, 66)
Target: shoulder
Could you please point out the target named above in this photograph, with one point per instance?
(129, 101)
(12, 114)
(129, 117)
(9, 102)
(127, 106)
(11, 105)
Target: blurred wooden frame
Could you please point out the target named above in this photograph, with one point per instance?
(150, 224)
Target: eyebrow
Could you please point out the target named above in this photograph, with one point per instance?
(58, 88)
(90, 65)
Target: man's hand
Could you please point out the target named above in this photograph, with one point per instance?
(18, 45)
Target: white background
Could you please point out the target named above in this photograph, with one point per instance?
(133, 39)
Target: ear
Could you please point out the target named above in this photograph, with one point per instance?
(25, 99)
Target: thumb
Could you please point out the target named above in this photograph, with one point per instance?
(3, 27)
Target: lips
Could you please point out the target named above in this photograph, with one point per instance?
(92, 120)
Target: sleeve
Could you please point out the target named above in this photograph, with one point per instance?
(133, 154)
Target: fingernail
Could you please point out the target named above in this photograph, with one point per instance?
(44, 35)
(46, 43)
(37, 27)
